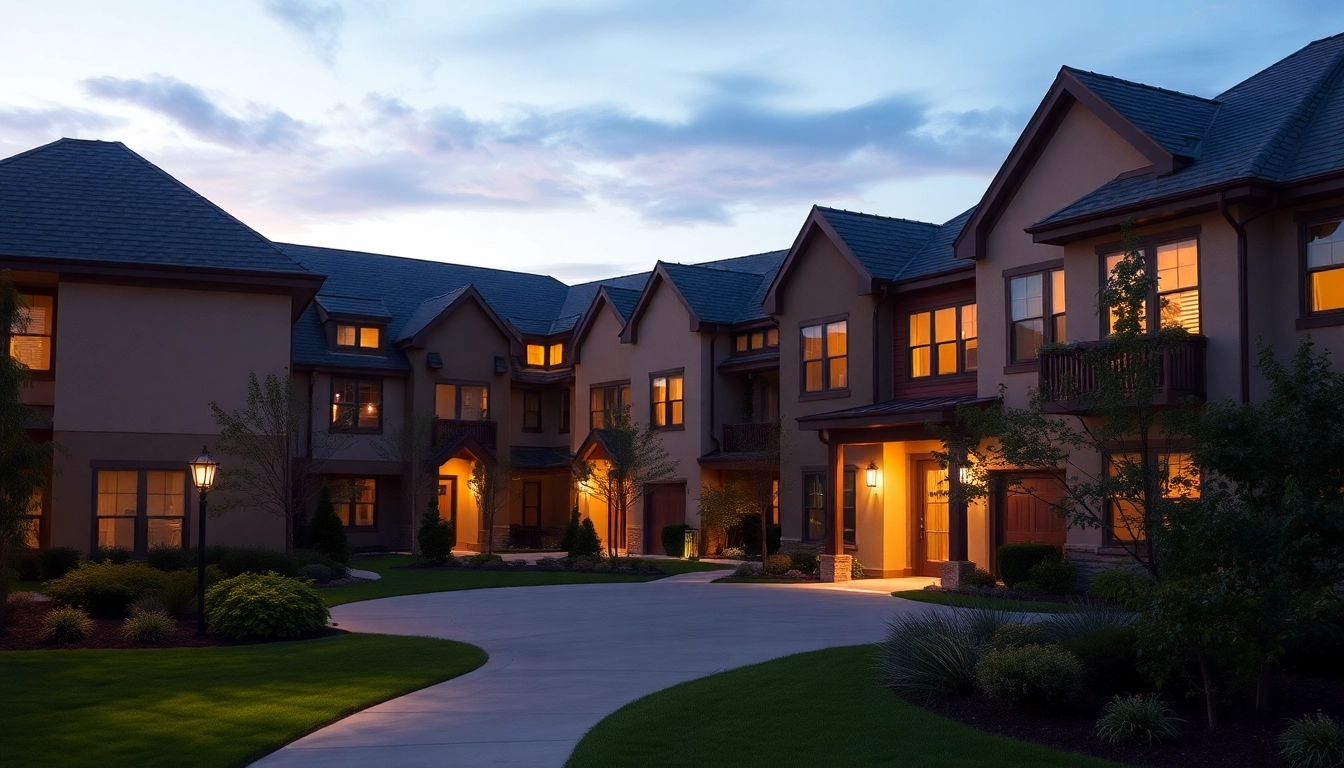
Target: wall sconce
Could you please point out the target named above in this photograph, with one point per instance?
(870, 475)
(965, 475)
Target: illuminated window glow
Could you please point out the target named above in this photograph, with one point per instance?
(30, 338)
(943, 341)
(825, 357)
(668, 401)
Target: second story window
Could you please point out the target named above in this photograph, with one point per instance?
(943, 341)
(1325, 267)
(356, 404)
(557, 354)
(605, 400)
(30, 342)
(1176, 297)
(1036, 312)
(754, 341)
(540, 355)
(825, 357)
(364, 338)
(668, 400)
(462, 402)
(531, 411)
(564, 411)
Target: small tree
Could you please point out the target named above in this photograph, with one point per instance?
(436, 534)
(327, 534)
(635, 458)
(587, 543)
(490, 484)
(571, 534)
(412, 445)
(723, 507)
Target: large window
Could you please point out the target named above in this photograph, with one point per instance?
(540, 355)
(464, 402)
(30, 341)
(943, 341)
(667, 398)
(138, 508)
(604, 401)
(356, 405)
(850, 504)
(1124, 515)
(1175, 299)
(814, 506)
(1325, 267)
(359, 337)
(755, 341)
(357, 501)
(1036, 310)
(825, 357)
(531, 411)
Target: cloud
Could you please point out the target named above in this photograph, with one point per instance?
(53, 122)
(317, 25)
(191, 108)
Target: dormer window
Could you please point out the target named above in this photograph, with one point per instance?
(542, 356)
(755, 341)
(361, 337)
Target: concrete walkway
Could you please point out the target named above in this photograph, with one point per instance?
(564, 657)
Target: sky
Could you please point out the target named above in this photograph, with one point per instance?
(589, 139)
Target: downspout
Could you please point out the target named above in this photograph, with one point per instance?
(713, 379)
(1243, 312)
(308, 448)
(877, 306)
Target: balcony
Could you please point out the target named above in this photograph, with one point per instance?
(483, 432)
(748, 438)
(1069, 380)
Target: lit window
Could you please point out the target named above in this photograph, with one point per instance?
(356, 405)
(557, 354)
(536, 354)
(825, 357)
(357, 501)
(32, 524)
(30, 338)
(463, 402)
(1030, 306)
(368, 337)
(942, 341)
(605, 401)
(756, 340)
(668, 401)
(814, 507)
(1180, 480)
(346, 335)
(122, 521)
(358, 336)
(1325, 266)
(1176, 295)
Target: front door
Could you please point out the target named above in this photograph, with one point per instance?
(531, 505)
(1028, 511)
(663, 505)
(932, 507)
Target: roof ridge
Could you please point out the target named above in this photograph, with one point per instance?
(876, 216)
(714, 269)
(1289, 130)
(432, 261)
(1141, 85)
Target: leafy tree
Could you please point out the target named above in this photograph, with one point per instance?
(489, 485)
(723, 507)
(436, 534)
(587, 543)
(635, 458)
(327, 534)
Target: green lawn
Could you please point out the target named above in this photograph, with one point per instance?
(974, 601)
(203, 706)
(414, 581)
(820, 708)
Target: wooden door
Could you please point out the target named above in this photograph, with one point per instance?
(933, 537)
(1027, 512)
(664, 504)
(531, 505)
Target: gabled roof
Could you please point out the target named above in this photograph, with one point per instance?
(883, 245)
(713, 293)
(621, 302)
(431, 310)
(1175, 121)
(354, 307)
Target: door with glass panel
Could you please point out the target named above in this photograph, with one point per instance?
(932, 537)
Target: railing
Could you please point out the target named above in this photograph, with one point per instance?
(483, 432)
(759, 436)
(1071, 378)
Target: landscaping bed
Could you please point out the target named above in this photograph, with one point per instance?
(988, 599)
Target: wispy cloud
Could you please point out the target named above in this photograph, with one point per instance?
(19, 125)
(316, 24)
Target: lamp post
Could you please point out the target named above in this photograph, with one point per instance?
(203, 474)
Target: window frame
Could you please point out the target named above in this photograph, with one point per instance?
(806, 473)
(565, 406)
(1017, 364)
(958, 339)
(1152, 314)
(742, 341)
(458, 384)
(548, 351)
(826, 391)
(523, 505)
(1108, 529)
(1307, 318)
(357, 348)
(349, 505)
(48, 373)
(669, 424)
(530, 396)
(355, 429)
(849, 503)
(618, 387)
(142, 516)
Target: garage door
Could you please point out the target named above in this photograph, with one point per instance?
(664, 504)
(1026, 512)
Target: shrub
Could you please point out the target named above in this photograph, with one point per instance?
(1015, 636)
(66, 625)
(582, 563)
(436, 534)
(602, 566)
(106, 590)
(1033, 675)
(114, 555)
(979, 578)
(240, 560)
(149, 627)
(929, 655)
(1016, 560)
(778, 563)
(263, 606)
(856, 569)
(1137, 720)
(747, 570)
(304, 557)
(315, 572)
(674, 539)
(1052, 577)
(171, 558)
(8, 578)
(1084, 620)
(550, 564)
(21, 598)
(1111, 658)
(587, 543)
(178, 593)
(805, 561)
(1123, 586)
(148, 604)
(58, 561)
(1313, 742)
(773, 536)
(29, 565)
(571, 535)
(214, 554)
(326, 533)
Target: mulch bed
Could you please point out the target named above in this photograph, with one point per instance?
(1243, 740)
(24, 624)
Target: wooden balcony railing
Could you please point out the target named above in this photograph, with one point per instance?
(1070, 378)
(741, 438)
(483, 432)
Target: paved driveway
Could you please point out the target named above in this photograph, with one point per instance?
(564, 657)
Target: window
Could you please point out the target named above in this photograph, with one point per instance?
(943, 341)
(356, 405)
(138, 509)
(539, 355)
(1180, 481)
(32, 524)
(30, 342)
(604, 401)
(536, 354)
(1036, 315)
(1325, 267)
(1176, 296)
(825, 364)
(756, 340)
(814, 506)
(463, 402)
(557, 353)
(564, 411)
(850, 506)
(357, 501)
(531, 411)
(668, 401)
(363, 337)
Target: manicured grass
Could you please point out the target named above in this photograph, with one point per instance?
(975, 601)
(203, 706)
(820, 708)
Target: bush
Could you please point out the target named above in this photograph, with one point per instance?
(66, 625)
(304, 557)
(1035, 676)
(1137, 720)
(856, 569)
(114, 555)
(587, 543)
(1015, 636)
(148, 604)
(29, 565)
(214, 554)
(1016, 560)
(929, 655)
(240, 560)
(106, 590)
(149, 627)
(1084, 620)
(21, 598)
(171, 558)
(571, 534)
(436, 535)
(805, 561)
(774, 534)
(1052, 577)
(315, 572)
(178, 593)
(326, 533)
(8, 578)
(58, 561)
(1110, 657)
(1122, 586)
(1313, 742)
(263, 606)
(979, 578)
(747, 570)
(778, 563)
(674, 539)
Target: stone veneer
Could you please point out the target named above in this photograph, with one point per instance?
(836, 568)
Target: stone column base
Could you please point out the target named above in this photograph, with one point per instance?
(955, 572)
(836, 567)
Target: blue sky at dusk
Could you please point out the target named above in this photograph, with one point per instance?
(589, 139)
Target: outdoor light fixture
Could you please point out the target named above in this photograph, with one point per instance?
(870, 475)
(964, 475)
(203, 474)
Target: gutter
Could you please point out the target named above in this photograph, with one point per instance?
(1243, 311)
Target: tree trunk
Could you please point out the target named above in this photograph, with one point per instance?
(1210, 695)
(765, 539)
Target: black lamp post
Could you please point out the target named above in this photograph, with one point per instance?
(203, 474)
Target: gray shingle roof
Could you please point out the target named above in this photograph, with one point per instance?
(374, 309)
(1177, 121)
(883, 244)
(727, 291)
(623, 300)
(99, 201)
(428, 310)
(936, 255)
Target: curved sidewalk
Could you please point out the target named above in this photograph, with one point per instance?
(564, 657)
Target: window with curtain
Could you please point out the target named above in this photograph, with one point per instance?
(604, 401)
(943, 341)
(30, 338)
(361, 337)
(141, 509)
(825, 357)
(667, 400)
(1179, 481)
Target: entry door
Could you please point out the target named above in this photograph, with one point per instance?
(1027, 511)
(531, 505)
(663, 505)
(932, 537)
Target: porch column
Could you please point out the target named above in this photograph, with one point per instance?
(835, 565)
(958, 566)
